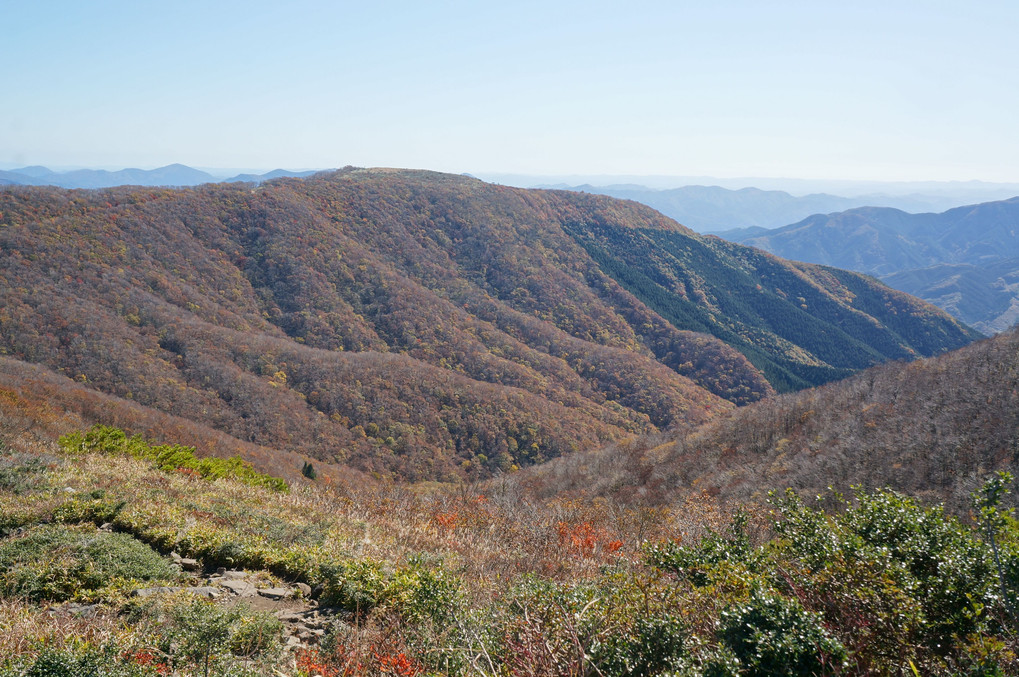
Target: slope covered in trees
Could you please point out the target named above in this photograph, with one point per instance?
(411, 323)
(931, 427)
(800, 324)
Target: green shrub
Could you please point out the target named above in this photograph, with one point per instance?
(924, 555)
(654, 646)
(257, 634)
(93, 507)
(200, 634)
(695, 563)
(949, 569)
(415, 591)
(20, 474)
(1000, 530)
(771, 635)
(83, 661)
(101, 439)
(59, 562)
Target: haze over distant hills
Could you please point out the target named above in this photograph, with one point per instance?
(705, 204)
(721, 211)
(708, 208)
(170, 175)
(964, 260)
(712, 205)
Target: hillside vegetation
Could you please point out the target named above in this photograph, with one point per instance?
(108, 558)
(932, 428)
(423, 325)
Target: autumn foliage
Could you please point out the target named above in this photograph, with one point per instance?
(418, 325)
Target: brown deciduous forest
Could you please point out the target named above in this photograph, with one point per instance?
(933, 428)
(420, 325)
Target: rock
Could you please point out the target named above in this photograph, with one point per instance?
(175, 557)
(304, 589)
(149, 592)
(240, 588)
(82, 610)
(207, 591)
(232, 574)
(275, 593)
(107, 526)
(189, 564)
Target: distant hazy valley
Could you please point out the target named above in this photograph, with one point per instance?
(964, 260)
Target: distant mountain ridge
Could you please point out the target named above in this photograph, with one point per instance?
(705, 208)
(718, 210)
(170, 175)
(965, 260)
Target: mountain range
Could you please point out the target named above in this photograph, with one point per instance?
(715, 209)
(170, 175)
(423, 325)
(494, 431)
(965, 260)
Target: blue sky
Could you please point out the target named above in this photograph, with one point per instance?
(835, 90)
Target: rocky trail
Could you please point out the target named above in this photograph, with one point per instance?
(304, 621)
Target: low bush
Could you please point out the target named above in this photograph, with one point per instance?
(84, 661)
(656, 645)
(416, 591)
(695, 563)
(20, 474)
(102, 439)
(61, 562)
(772, 635)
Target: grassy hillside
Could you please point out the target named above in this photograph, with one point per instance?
(108, 566)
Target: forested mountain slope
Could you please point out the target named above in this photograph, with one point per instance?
(420, 324)
(800, 324)
(933, 427)
(37, 406)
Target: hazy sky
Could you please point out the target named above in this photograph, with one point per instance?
(852, 89)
